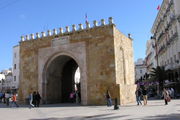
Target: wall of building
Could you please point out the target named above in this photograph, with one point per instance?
(16, 71)
(2, 78)
(124, 62)
(140, 69)
(100, 62)
(151, 61)
(166, 31)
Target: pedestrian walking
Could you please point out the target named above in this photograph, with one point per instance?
(77, 97)
(108, 98)
(31, 100)
(7, 96)
(138, 96)
(144, 92)
(71, 97)
(14, 100)
(166, 96)
(38, 98)
(34, 102)
(4, 98)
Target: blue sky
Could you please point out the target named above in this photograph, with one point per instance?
(21, 17)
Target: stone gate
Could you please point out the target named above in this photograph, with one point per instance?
(48, 62)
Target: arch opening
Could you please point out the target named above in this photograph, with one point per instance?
(62, 78)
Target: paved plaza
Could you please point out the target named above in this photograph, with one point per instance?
(155, 110)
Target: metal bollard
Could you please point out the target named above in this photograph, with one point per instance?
(116, 107)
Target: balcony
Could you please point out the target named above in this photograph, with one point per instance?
(178, 18)
(172, 66)
(160, 36)
(174, 37)
(169, 7)
(172, 19)
(169, 67)
(162, 49)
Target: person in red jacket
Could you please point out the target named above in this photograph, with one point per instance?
(14, 99)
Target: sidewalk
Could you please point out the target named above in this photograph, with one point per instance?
(155, 110)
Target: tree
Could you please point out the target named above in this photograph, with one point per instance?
(159, 74)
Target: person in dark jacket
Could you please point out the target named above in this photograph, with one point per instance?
(108, 98)
(38, 99)
(34, 99)
(138, 96)
(144, 92)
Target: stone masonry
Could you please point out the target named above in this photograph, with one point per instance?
(103, 54)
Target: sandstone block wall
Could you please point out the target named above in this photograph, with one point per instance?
(109, 63)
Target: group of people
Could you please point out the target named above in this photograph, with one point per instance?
(34, 99)
(141, 92)
(10, 99)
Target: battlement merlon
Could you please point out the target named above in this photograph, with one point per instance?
(60, 32)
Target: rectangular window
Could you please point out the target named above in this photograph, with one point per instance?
(14, 78)
(175, 58)
(14, 66)
(14, 55)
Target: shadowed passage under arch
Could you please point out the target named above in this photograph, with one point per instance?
(60, 79)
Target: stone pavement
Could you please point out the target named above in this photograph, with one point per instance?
(155, 110)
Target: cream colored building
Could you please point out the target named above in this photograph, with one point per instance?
(15, 69)
(6, 80)
(2, 78)
(140, 69)
(151, 61)
(166, 33)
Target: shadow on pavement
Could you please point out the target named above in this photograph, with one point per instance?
(93, 117)
(148, 105)
(161, 117)
(43, 105)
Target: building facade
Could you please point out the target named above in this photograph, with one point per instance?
(2, 78)
(16, 67)
(140, 70)
(166, 34)
(103, 54)
(6, 80)
(151, 61)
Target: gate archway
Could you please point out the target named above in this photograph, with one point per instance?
(59, 76)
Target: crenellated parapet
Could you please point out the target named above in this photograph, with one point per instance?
(67, 30)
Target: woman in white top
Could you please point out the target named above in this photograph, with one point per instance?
(166, 96)
(31, 100)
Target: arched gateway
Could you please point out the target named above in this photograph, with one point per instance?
(103, 54)
(57, 66)
(58, 79)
